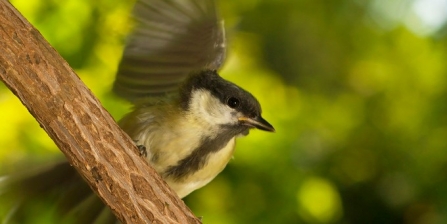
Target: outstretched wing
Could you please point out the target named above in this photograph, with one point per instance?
(171, 39)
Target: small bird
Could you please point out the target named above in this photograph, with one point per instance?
(186, 117)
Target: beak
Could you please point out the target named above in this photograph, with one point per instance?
(257, 122)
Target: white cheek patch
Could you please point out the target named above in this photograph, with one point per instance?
(208, 108)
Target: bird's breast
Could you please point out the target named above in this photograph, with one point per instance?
(213, 164)
(187, 154)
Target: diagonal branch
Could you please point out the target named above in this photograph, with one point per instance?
(83, 130)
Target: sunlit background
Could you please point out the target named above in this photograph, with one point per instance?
(357, 91)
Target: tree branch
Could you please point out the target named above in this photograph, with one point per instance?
(83, 130)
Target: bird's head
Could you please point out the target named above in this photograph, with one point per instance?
(209, 98)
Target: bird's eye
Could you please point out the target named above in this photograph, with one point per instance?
(233, 102)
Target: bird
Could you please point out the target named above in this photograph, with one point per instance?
(189, 141)
(185, 117)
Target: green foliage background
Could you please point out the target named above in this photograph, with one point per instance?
(357, 98)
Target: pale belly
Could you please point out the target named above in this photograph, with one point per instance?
(167, 143)
(216, 163)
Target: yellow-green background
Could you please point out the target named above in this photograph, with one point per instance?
(355, 89)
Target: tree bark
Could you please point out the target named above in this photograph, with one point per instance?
(83, 130)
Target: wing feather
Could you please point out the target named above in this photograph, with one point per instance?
(171, 39)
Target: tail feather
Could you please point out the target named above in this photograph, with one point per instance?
(70, 199)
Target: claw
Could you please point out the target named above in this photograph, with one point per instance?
(141, 149)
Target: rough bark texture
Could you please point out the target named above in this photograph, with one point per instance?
(83, 130)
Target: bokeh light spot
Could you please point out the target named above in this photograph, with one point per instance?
(319, 201)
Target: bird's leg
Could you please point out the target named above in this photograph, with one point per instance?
(141, 149)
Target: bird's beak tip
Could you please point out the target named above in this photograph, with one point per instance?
(258, 123)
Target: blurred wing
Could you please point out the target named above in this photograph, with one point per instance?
(171, 39)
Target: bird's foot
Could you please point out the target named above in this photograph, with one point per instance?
(141, 149)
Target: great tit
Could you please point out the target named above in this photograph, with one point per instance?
(186, 117)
